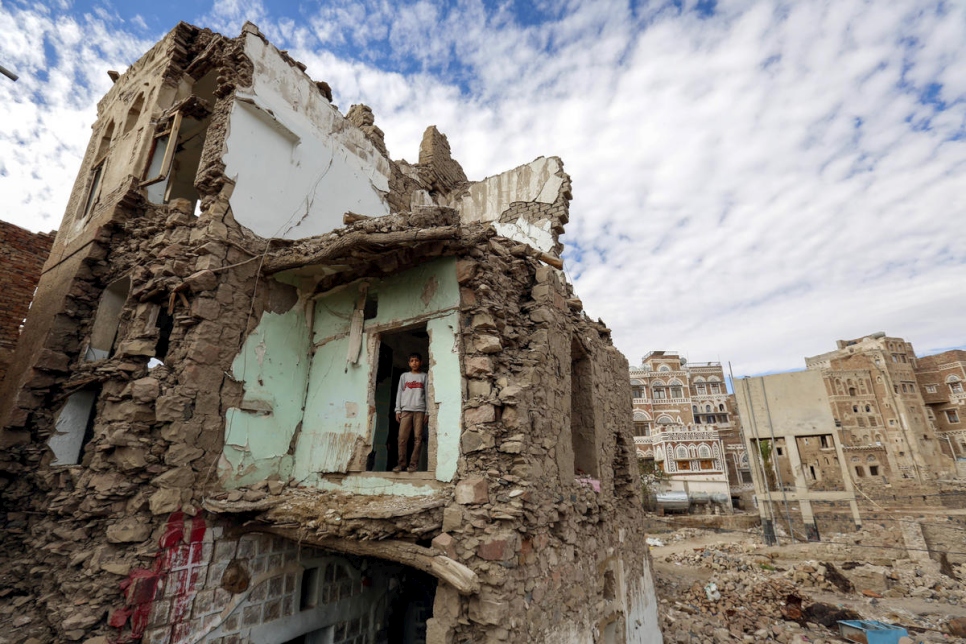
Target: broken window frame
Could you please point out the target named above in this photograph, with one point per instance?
(170, 131)
(93, 189)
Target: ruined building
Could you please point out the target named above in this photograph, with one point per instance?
(854, 428)
(687, 423)
(198, 423)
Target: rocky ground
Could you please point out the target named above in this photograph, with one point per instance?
(729, 587)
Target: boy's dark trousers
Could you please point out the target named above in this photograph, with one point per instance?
(409, 421)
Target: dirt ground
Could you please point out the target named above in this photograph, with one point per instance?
(756, 590)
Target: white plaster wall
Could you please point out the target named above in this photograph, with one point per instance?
(487, 200)
(642, 621)
(297, 163)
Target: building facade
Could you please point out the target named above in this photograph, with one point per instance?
(198, 425)
(867, 422)
(942, 384)
(686, 421)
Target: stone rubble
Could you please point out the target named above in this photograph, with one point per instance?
(755, 585)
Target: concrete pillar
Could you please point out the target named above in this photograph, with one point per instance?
(801, 488)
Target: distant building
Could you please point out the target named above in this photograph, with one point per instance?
(866, 422)
(942, 378)
(876, 401)
(686, 421)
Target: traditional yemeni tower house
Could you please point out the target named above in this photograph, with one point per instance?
(687, 422)
(198, 421)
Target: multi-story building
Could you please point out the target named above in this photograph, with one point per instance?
(867, 421)
(942, 383)
(198, 429)
(686, 421)
(877, 403)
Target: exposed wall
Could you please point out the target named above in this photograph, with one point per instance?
(527, 204)
(297, 163)
(309, 410)
(22, 256)
(230, 354)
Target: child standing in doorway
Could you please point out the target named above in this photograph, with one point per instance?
(411, 412)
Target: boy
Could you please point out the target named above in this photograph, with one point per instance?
(411, 411)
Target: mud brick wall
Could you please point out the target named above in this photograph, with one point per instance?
(22, 257)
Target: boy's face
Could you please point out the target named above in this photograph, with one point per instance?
(415, 363)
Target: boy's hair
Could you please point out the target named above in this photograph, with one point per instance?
(415, 354)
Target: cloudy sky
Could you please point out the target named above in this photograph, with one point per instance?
(752, 180)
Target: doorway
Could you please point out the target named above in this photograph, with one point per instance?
(395, 347)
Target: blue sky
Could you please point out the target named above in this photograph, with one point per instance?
(752, 180)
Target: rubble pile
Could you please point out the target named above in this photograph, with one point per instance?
(747, 592)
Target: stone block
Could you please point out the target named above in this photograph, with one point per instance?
(206, 308)
(472, 491)
(202, 281)
(128, 530)
(129, 458)
(452, 518)
(483, 322)
(488, 344)
(478, 388)
(178, 477)
(444, 544)
(487, 611)
(52, 361)
(170, 408)
(478, 415)
(478, 366)
(498, 548)
(146, 389)
(165, 501)
(474, 441)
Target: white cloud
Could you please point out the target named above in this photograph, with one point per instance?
(749, 187)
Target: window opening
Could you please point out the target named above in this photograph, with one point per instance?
(583, 432)
(873, 470)
(74, 427)
(93, 191)
(107, 320)
(176, 152)
(859, 471)
(309, 596)
(165, 327)
(395, 348)
(134, 113)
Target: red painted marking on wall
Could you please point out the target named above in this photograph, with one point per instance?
(176, 567)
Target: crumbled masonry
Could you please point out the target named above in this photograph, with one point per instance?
(197, 419)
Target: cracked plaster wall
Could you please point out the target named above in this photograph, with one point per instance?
(287, 388)
(297, 163)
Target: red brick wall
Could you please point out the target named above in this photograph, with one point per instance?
(22, 256)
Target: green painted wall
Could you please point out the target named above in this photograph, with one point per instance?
(274, 365)
(339, 412)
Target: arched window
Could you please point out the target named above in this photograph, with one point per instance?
(721, 407)
(694, 409)
(855, 408)
(707, 409)
(134, 113)
(704, 451)
(664, 419)
(664, 367)
(868, 408)
(955, 384)
(681, 453)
